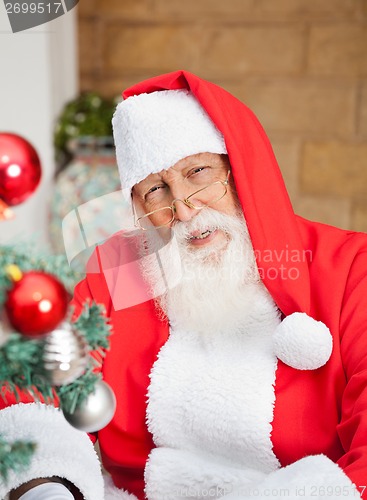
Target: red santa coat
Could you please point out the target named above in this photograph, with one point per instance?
(307, 267)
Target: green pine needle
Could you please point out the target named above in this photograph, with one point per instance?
(21, 359)
(21, 366)
(94, 326)
(72, 395)
(15, 456)
(27, 259)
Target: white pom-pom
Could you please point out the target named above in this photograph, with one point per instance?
(302, 342)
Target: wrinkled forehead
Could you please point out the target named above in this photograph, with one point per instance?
(182, 169)
(154, 131)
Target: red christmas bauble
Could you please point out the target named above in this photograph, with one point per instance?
(36, 304)
(20, 169)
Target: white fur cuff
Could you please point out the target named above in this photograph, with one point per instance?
(180, 474)
(61, 450)
(313, 478)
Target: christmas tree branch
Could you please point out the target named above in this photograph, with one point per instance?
(21, 361)
(72, 395)
(25, 257)
(22, 371)
(15, 456)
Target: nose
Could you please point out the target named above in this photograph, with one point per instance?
(182, 211)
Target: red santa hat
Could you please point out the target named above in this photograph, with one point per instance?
(167, 118)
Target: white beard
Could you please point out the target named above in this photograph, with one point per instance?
(219, 281)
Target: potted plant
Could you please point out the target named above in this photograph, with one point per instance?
(84, 125)
(86, 166)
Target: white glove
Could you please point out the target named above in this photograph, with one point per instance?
(48, 491)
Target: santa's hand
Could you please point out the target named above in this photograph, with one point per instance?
(173, 474)
(313, 478)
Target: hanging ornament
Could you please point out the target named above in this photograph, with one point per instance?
(65, 354)
(37, 303)
(96, 411)
(20, 169)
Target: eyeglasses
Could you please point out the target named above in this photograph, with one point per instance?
(209, 195)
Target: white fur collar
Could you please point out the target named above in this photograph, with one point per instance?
(212, 397)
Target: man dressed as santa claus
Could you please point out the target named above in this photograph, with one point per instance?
(239, 347)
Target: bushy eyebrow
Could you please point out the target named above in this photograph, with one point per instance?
(200, 162)
(145, 187)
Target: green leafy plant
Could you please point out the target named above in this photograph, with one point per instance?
(89, 115)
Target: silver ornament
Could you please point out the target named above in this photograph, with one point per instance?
(96, 411)
(65, 354)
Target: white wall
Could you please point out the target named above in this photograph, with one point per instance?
(38, 74)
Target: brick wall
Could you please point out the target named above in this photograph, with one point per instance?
(301, 65)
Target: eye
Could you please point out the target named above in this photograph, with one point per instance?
(154, 190)
(198, 170)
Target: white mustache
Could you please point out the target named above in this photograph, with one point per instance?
(208, 219)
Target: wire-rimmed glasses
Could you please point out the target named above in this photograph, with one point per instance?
(209, 195)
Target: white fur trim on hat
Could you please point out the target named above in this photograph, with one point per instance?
(61, 450)
(154, 131)
(302, 342)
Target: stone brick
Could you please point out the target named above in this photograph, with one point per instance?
(111, 87)
(125, 9)
(252, 50)
(87, 82)
(150, 49)
(364, 8)
(87, 8)
(362, 121)
(206, 10)
(339, 50)
(335, 169)
(88, 46)
(359, 216)
(300, 105)
(258, 10)
(287, 153)
(302, 10)
(328, 210)
(96, 84)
